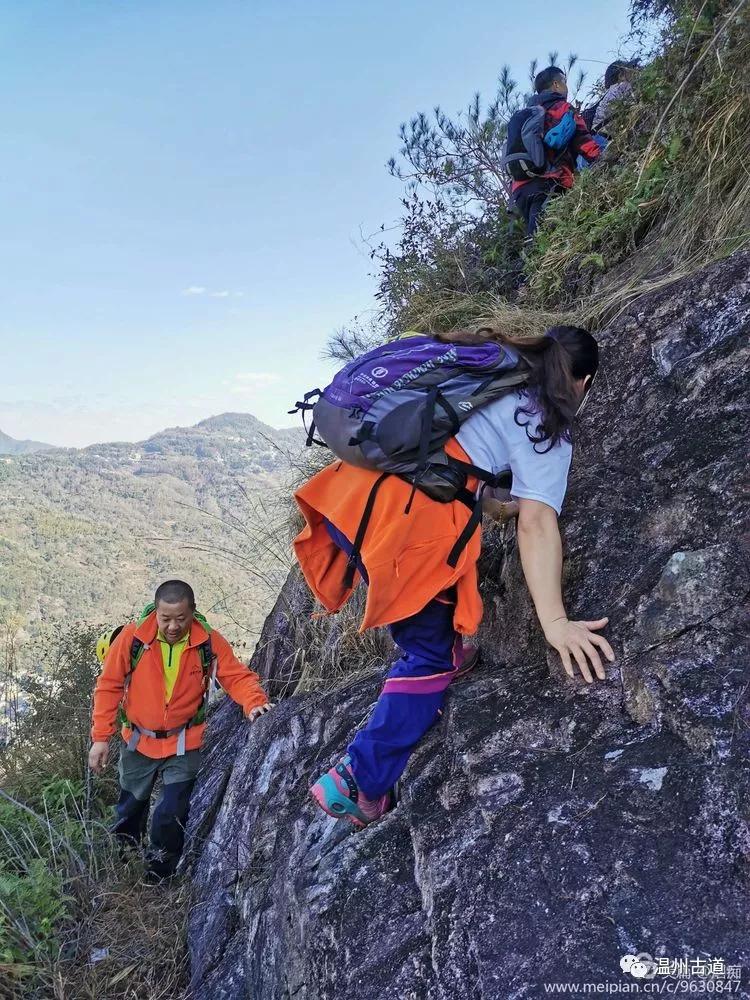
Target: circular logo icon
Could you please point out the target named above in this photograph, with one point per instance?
(380, 372)
(640, 966)
(465, 405)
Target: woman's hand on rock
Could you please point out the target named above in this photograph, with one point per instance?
(578, 641)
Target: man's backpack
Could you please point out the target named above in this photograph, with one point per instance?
(394, 409)
(524, 153)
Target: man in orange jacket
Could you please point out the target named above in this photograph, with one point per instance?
(155, 681)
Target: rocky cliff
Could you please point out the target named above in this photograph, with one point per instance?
(545, 827)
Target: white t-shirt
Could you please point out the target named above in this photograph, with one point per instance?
(495, 442)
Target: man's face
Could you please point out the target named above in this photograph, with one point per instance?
(174, 620)
(560, 86)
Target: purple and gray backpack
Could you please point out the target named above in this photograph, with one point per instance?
(394, 408)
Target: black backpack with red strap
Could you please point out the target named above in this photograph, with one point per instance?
(525, 152)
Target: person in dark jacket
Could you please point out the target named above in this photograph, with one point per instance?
(530, 197)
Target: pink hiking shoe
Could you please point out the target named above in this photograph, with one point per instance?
(466, 660)
(338, 794)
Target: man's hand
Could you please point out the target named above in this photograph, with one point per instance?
(98, 756)
(253, 714)
(576, 639)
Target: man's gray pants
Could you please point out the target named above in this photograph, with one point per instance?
(138, 774)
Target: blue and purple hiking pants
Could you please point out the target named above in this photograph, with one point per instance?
(413, 694)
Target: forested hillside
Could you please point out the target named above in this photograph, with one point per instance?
(87, 534)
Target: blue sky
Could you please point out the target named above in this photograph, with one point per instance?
(185, 185)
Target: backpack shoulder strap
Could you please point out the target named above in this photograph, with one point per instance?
(588, 114)
(137, 649)
(205, 649)
(207, 656)
(208, 660)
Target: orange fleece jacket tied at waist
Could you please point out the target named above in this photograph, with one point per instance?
(405, 555)
(145, 702)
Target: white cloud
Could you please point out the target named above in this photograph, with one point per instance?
(219, 293)
(246, 383)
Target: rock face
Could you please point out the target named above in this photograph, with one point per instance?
(545, 827)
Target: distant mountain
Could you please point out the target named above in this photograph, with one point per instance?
(87, 533)
(238, 442)
(10, 446)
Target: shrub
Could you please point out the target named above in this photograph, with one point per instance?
(673, 192)
(457, 242)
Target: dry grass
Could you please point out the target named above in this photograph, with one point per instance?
(516, 321)
(333, 651)
(97, 902)
(318, 651)
(709, 225)
(456, 310)
(144, 929)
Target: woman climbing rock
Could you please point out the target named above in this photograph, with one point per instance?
(422, 423)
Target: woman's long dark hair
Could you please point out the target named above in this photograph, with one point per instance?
(556, 359)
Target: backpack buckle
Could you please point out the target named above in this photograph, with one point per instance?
(304, 403)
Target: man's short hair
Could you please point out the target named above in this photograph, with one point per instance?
(546, 77)
(174, 592)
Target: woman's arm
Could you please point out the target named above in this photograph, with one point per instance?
(540, 547)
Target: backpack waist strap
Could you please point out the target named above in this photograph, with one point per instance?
(162, 734)
(502, 480)
(499, 480)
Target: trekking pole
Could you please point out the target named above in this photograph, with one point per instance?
(87, 796)
(87, 789)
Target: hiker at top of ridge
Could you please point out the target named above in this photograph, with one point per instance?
(543, 141)
(598, 116)
(617, 88)
(401, 511)
(155, 681)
